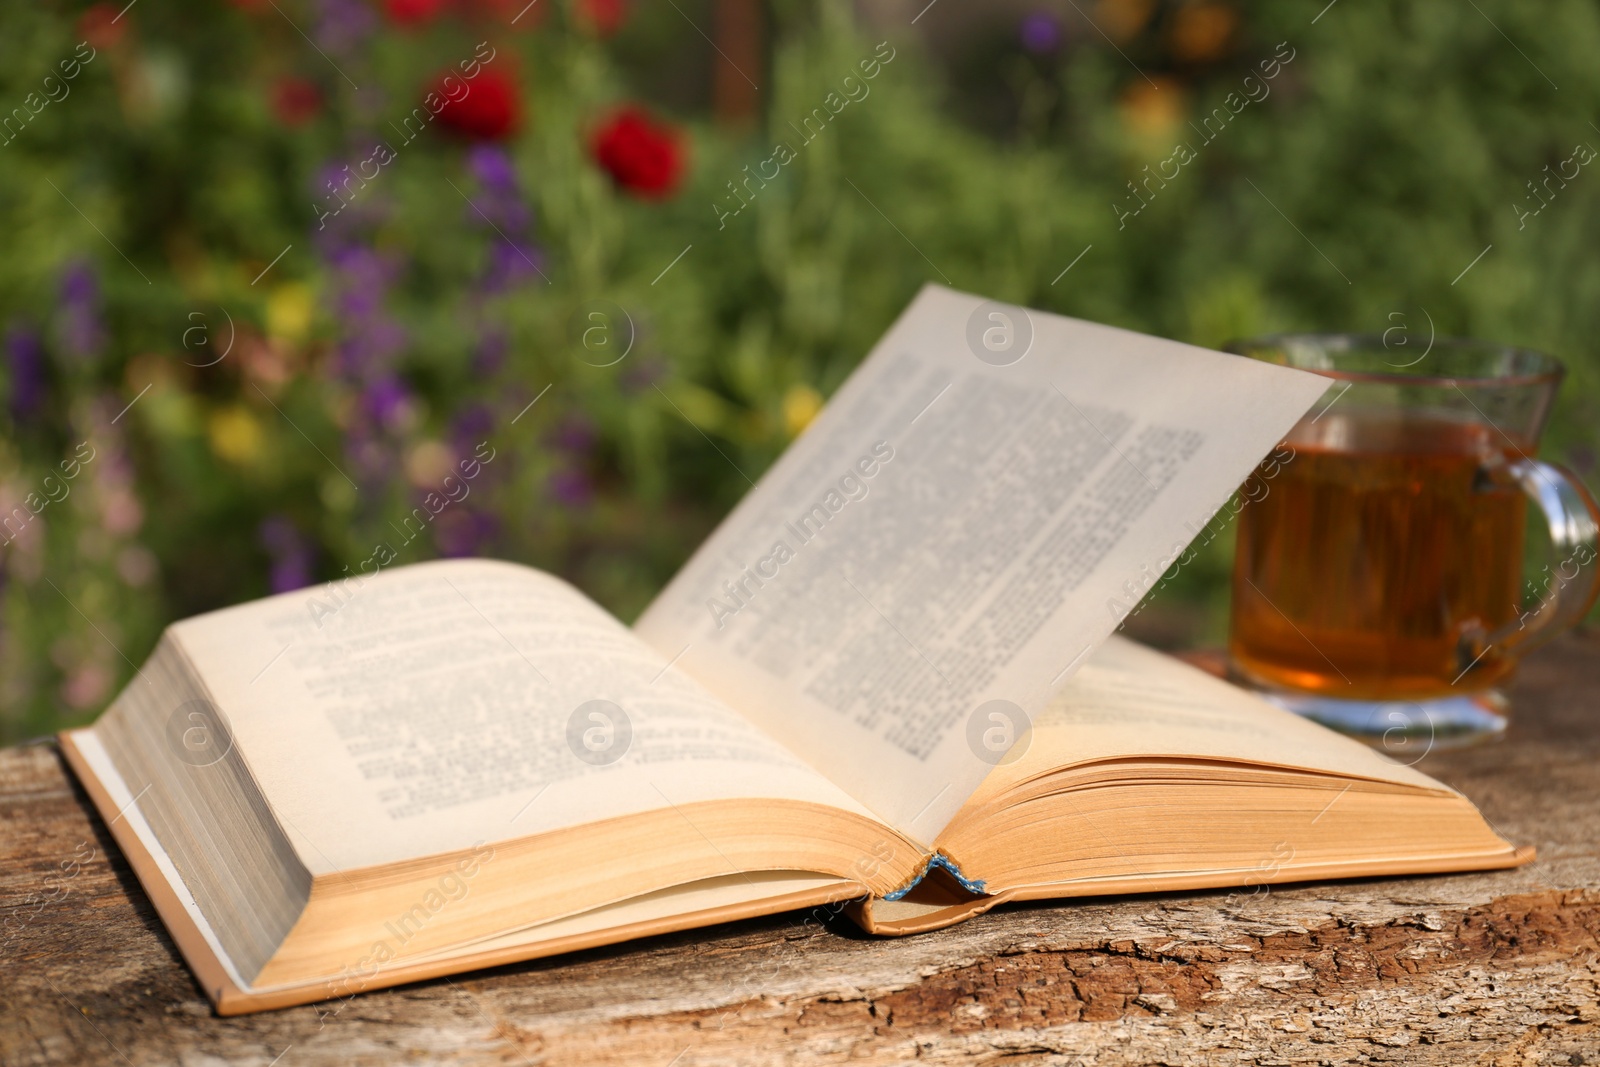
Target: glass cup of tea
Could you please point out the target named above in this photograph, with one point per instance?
(1379, 583)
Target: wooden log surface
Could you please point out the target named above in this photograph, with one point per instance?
(1491, 969)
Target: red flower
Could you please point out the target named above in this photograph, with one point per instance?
(101, 26)
(490, 108)
(412, 12)
(295, 101)
(604, 16)
(643, 157)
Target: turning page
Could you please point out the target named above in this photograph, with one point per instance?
(974, 511)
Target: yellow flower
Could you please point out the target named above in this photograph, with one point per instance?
(235, 434)
(1200, 32)
(289, 312)
(428, 463)
(1154, 108)
(800, 405)
(1123, 19)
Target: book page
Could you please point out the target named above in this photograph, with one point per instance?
(974, 511)
(1129, 701)
(436, 706)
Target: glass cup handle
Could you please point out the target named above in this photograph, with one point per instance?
(1574, 583)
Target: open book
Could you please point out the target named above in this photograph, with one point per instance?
(887, 678)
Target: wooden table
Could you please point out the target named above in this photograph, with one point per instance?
(1498, 969)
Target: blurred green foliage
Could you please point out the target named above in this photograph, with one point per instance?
(143, 210)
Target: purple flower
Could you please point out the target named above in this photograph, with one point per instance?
(364, 278)
(343, 26)
(641, 374)
(370, 461)
(471, 425)
(370, 340)
(499, 206)
(371, 337)
(492, 167)
(499, 198)
(575, 435)
(386, 400)
(290, 553)
(82, 332)
(491, 353)
(510, 262)
(513, 258)
(25, 361)
(572, 488)
(460, 531)
(345, 201)
(369, 347)
(1040, 32)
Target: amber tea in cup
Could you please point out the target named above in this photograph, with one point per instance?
(1378, 582)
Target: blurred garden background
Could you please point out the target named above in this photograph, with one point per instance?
(272, 269)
